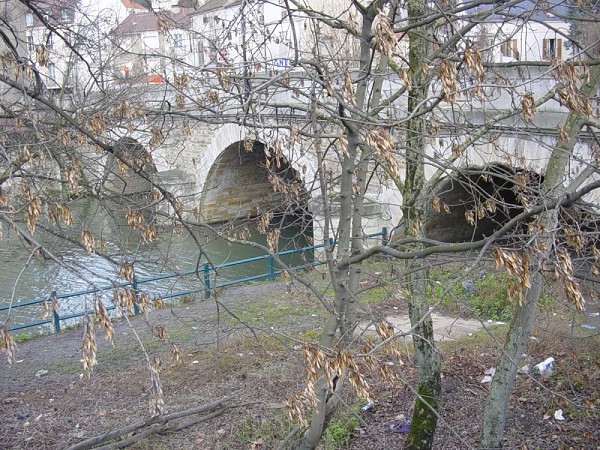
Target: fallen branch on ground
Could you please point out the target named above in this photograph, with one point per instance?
(154, 425)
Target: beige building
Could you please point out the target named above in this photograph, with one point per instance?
(12, 13)
(49, 39)
(151, 46)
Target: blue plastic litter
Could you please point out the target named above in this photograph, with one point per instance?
(397, 426)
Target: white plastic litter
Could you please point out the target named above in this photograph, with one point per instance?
(368, 406)
(489, 374)
(545, 367)
(558, 414)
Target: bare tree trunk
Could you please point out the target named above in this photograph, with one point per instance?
(494, 415)
(424, 418)
(345, 280)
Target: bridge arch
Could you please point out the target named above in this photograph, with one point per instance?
(474, 202)
(228, 134)
(241, 177)
(491, 171)
(120, 179)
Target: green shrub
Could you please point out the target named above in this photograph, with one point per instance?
(339, 431)
(490, 299)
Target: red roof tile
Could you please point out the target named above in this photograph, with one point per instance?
(130, 4)
(148, 21)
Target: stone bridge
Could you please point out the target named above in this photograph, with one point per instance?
(219, 171)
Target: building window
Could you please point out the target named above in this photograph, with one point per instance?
(65, 15)
(50, 41)
(70, 76)
(127, 43)
(29, 19)
(552, 49)
(150, 41)
(510, 49)
(52, 72)
(30, 44)
(200, 52)
(178, 41)
(212, 55)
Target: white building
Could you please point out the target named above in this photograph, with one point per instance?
(12, 43)
(67, 41)
(529, 31)
(151, 46)
(234, 33)
(49, 33)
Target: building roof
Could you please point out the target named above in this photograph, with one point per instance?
(526, 10)
(146, 5)
(131, 4)
(41, 4)
(148, 21)
(211, 5)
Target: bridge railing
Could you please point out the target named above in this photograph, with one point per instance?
(207, 272)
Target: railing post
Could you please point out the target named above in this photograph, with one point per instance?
(384, 236)
(271, 264)
(56, 321)
(206, 281)
(55, 316)
(136, 291)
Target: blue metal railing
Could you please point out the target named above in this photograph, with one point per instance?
(206, 271)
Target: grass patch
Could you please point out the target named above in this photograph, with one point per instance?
(274, 313)
(118, 356)
(339, 431)
(24, 337)
(268, 431)
(150, 443)
(182, 333)
(66, 368)
(375, 294)
(239, 356)
(488, 300)
(312, 335)
(480, 338)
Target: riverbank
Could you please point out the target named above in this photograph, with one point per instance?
(246, 343)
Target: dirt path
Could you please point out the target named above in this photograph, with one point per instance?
(269, 309)
(446, 328)
(235, 312)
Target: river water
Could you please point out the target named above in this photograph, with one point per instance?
(24, 278)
